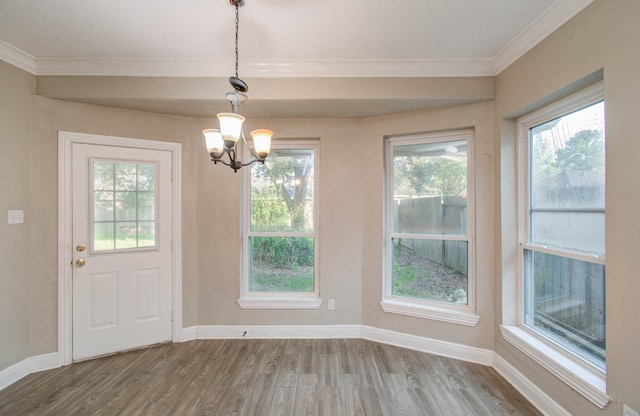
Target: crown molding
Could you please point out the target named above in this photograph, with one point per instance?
(264, 68)
(552, 18)
(17, 58)
(548, 22)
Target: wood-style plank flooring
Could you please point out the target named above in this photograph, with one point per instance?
(266, 377)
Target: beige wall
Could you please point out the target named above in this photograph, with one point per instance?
(606, 35)
(340, 193)
(16, 89)
(51, 116)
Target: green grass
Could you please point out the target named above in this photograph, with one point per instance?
(404, 278)
(105, 242)
(299, 279)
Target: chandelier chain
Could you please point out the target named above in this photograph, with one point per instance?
(237, 24)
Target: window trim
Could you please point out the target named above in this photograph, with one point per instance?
(583, 376)
(429, 309)
(280, 300)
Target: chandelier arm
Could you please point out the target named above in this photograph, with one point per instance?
(232, 163)
(253, 161)
(254, 154)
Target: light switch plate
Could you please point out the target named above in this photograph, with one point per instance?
(16, 216)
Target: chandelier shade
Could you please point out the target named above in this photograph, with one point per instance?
(261, 142)
(214, 142)
(230, 126)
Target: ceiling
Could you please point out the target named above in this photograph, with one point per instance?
(278, 38)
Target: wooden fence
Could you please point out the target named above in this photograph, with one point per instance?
(433, 215)
(569, 299)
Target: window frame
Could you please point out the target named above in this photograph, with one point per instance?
(423, 308)
(582, 375)
(280, 300)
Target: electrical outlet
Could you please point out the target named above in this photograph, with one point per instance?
(16, 216)
(627, 411)
(331, 304)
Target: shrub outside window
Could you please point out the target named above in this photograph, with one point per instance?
(280, 239)
(428, 223)
(563, 220)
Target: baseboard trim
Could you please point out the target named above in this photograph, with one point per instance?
(277, 331)
(188, 334)
(429, 345)
(27, 366)
(528, 389)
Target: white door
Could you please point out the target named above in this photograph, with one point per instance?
(122, 282)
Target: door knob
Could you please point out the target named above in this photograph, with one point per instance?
(80, 247)
(80, 262)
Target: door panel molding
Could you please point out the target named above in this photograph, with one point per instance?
(65, 242)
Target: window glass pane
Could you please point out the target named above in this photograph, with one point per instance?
(126, 177)
(430, 188)
(103, 237)
(146, 234)
(282, 192)
(103, 206)
(126, 235)
(430, 269)
(567, 178)
(282, 264)
(146, 206)
(146, 177)
(565, 301)
(580, 231)
(124, 205)
(102, 176)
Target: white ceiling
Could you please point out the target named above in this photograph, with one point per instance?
(312, 38)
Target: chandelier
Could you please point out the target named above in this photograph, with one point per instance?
(224, 141)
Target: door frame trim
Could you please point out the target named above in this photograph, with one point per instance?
(65, 242)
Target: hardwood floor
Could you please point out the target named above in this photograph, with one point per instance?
(267, 377)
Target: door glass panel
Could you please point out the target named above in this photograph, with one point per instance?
(103, 205)
(103, 238)
(124, 212)
(126, 206)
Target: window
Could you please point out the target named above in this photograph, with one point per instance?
(124, 205)
(557, 314)
(280, 244)
(428, 244)
(562, 222)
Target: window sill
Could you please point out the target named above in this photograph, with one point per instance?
(269, 302)
(438, 313)
(587, 380)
